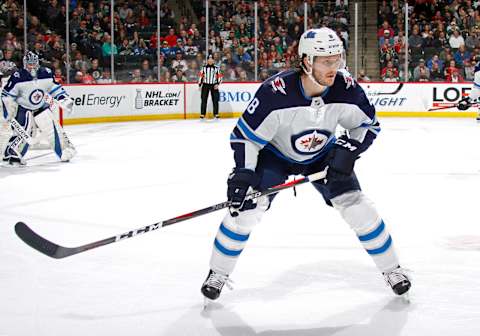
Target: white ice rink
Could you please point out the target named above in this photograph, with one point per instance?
(303, 271)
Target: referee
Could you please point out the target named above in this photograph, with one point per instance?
(210, 79)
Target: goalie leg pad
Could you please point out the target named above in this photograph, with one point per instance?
(17, 147)
(232, 236)
(360, 213)
(52, 130)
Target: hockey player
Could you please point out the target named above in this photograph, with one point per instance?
(467, 102)
(24, 102)
(289, 128)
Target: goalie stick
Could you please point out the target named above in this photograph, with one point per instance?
(56, 251)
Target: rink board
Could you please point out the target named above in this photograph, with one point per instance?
(148, 101)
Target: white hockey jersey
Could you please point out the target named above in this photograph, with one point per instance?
(29, 92)
(476, 84)
(298, 128)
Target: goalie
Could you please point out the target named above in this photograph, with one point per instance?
(469, 101)
(26, 101)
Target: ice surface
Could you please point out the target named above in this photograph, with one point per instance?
(303, 271)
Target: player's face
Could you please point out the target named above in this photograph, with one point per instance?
(31, 67)
(325, 68)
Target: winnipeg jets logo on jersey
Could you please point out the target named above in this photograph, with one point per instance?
(36, 97)
(311, 141)
(278, 84)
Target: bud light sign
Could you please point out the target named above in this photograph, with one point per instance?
(235, 97)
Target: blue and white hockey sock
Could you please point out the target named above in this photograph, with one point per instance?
(359, 212)
(232, 236)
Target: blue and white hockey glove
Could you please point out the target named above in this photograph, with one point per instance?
(341, 158)
(240, 181)
(464, 104)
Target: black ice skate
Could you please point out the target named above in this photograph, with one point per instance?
(212, 286)
(398, 280)
(13, 162)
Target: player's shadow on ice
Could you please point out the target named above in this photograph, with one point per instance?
(385, 318)
(17, 171)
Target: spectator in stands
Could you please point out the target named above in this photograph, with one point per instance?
(390, 76)
(455, 77)
(421, 71)
(461, 55)
(362, 76)
(243, 77)
(146, 72)
(179, 63)
(59, 78)
(473, 40)
(424, 75)
(435, 60)
(389, 67)
(107, 47)
(171, 38)
(436, 74)
(179, 77)
(415, 41)
(125, 48)
(386, 37)
(469, 70)
(192, 71)
(385, 26)
(440, 41)
(241, 57)
(78, 78)
(95, 71)
(136, 76)
(86, 77)
(450, 69)
(456, 40)
(190, 49)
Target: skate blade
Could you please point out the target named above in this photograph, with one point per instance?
(206, 303)
(405, 297)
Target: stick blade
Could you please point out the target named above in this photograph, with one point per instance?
(37, 242)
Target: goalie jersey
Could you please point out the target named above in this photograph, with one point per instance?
(298, 128)
(29, 92)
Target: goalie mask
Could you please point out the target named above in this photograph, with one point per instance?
(31, 63)
(322, 42)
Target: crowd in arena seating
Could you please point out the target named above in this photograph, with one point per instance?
(443, 41)
(183, 45)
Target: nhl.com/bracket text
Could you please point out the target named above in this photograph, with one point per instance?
(152, 98)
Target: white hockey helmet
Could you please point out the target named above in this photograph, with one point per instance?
(319, 42)
(31, 59)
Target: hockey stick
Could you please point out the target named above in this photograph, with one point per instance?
(447, 107)
(442, 107)
(21, 132)
(56, 251)
(394, 92)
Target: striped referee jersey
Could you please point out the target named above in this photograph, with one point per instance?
(210, 74)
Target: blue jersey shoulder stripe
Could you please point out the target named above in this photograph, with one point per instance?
(250, 134)
(55, 89)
